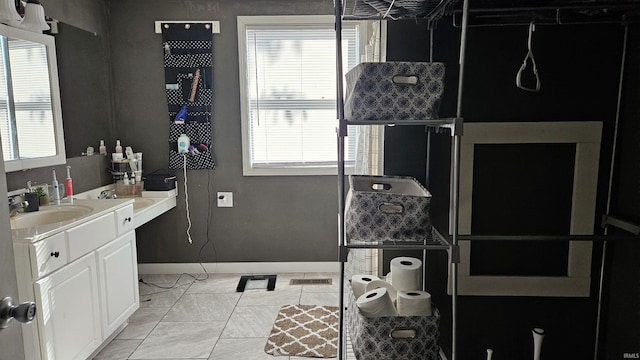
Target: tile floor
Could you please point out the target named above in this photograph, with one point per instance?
(209, 319)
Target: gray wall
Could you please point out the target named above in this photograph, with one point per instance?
(89, 15)
(273, 218)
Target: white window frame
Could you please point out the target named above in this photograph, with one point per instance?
(586, 135)
(243, 22)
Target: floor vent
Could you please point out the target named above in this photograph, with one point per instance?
(310, 282)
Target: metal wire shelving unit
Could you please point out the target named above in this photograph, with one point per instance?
(432, 11)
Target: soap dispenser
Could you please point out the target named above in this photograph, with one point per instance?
(118, 147)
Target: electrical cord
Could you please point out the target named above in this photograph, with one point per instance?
(172, 286)
(209, 217)
(186, 198)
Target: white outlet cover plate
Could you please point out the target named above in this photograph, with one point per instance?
(225, 199)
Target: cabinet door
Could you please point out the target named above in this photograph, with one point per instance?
(118, 273)
(69, 313)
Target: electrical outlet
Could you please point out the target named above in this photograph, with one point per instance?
(225, 199)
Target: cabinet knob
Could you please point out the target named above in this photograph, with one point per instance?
(127, 219)
(55, 253)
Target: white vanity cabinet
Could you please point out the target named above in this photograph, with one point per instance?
(68, 315)
(118, 279)
(84, 280)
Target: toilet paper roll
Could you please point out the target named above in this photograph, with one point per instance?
(359, 283)
(406, 273)
(376, 284)
(414, 303)
(376, 303)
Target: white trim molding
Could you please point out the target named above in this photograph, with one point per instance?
(586, 136)
(239, 267)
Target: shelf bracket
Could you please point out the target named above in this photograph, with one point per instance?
(456, 126)
(620, 224)
(342, 128)
(454, 254)
(344, 253)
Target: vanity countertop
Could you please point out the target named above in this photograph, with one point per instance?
(146, 208)
(97, 209)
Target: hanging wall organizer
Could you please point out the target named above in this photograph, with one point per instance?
(187, 48)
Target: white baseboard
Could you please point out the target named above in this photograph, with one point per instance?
(240, 267)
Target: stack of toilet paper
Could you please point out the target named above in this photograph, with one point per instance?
(399, 294)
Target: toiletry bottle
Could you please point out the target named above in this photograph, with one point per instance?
(56, 189)
(132, 159)
(125, 179)
(118, 147)
(68, 184)
(183, 144)
(103, 149)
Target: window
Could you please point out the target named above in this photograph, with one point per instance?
(288, 93)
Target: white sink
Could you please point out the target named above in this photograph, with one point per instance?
(145, 208)
(49, 215)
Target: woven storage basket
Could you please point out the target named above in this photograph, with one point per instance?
(383, 208)
(371, 337)
(394, 91)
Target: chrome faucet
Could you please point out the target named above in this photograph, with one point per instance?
(14, 207)
(104, 194)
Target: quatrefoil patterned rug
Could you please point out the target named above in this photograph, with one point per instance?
(306, 331)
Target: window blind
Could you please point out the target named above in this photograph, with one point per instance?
(292, 93)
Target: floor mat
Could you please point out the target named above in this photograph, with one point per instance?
(306, 331)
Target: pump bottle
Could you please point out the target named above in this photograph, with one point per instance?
(183, 144)
(103, 149)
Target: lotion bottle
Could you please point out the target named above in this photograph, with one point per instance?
(118, 147)
(183, 144)
(103, 149)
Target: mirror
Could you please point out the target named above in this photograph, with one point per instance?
(30, 110)
(85, 88)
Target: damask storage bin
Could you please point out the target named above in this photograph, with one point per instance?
(394, 91)
(382, 208)
(393, 337)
